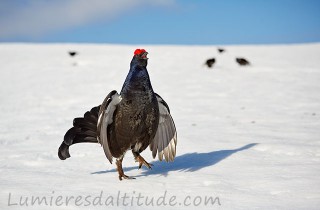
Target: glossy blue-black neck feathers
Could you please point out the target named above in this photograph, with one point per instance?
(138, 78)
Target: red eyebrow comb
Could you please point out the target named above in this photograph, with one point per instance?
(139, 51)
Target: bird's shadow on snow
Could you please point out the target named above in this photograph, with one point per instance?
(188, 162)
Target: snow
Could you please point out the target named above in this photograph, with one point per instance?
(248, 136)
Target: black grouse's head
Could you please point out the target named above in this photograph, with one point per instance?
(140, 57)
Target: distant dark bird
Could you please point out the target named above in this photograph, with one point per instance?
(220, 50)
(210, 62)
(242, 61)
(72, 53)
(132, 120)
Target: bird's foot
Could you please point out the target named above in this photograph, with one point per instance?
(120, 171)
(142, 161)
(123, 176)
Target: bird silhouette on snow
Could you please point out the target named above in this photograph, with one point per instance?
(132, 120)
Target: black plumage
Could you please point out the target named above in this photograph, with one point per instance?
(210, 62)
(221, 50)
(72, 53)
(132, 120)
(82, 131)
(242, 61)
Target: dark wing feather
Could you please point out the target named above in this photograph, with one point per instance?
(105, 118)
(165, 140)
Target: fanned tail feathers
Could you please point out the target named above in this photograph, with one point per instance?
(84, 130)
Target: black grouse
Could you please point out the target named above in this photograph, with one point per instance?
(221, 50)
(210, 62)
(132, 120)
(72, 53)
(242, 61)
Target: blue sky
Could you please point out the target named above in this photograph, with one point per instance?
(197, 22)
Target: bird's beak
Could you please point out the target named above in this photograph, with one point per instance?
(144, 55)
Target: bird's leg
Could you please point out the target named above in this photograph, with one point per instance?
(120, 169)
(141, 160)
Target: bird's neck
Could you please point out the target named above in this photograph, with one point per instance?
(137, 81)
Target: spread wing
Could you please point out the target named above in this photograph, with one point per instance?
(106, 111)
(165, 140)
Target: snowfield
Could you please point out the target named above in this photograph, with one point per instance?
(248, 137)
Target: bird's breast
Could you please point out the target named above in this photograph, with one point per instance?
(138, 115)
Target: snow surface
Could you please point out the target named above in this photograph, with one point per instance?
(247, 136)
